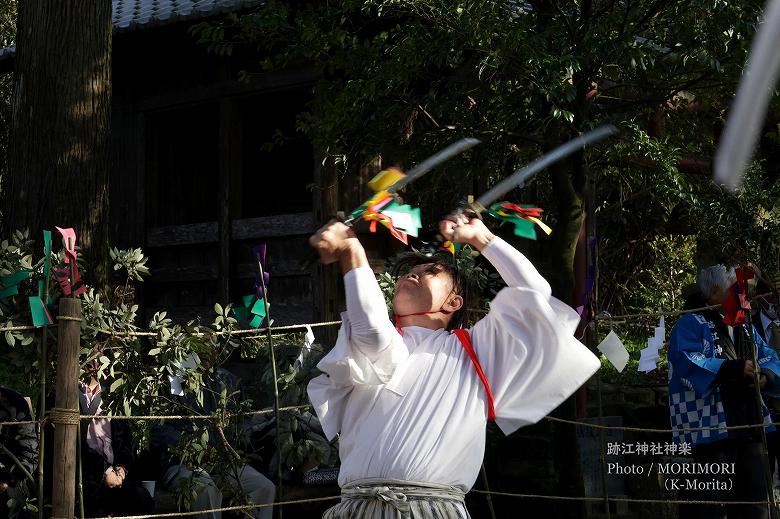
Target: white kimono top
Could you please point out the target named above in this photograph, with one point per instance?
(411, 406)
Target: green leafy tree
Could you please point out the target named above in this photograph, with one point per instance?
(136, 365)
(403, 78)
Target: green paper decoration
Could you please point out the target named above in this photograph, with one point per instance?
(252, 309)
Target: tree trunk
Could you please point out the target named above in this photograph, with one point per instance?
(61, 121)
(567, 179)
(569, 217)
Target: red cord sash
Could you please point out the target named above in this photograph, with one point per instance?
(465, 340)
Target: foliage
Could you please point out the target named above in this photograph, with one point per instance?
(401, 79)
(136, 366)
(658, 226)
(7, 23)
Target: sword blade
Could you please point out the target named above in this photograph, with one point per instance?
(425, 166)
(522, 175)
(747, 113)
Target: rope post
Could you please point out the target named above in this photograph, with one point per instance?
(65, 416)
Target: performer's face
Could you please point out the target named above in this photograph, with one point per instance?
(425, 288)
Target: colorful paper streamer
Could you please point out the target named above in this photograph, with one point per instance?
(251, 311)
(400, 219)
(258, 254)
(40, 314)
(525, 218)
(11, 283)
(68, 275)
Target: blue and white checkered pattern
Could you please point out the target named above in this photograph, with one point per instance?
(687, 411)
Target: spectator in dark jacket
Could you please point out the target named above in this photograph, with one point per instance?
(19, 452)
(207, 483)
(107, 455)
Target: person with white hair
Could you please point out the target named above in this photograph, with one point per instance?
(711, 387)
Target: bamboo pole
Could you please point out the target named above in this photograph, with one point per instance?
(65, 416)
(771, 501)
(44, 367)
(274, 375)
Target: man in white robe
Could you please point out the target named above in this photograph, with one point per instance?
(408, 401)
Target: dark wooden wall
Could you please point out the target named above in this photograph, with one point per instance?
(196, 184)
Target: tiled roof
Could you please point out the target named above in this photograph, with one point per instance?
(133, 14)
(129, 15)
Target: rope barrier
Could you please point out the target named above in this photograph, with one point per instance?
(68, 420)
(23, 328)
(622, 499)
(68, 318)
(59, 415)
(641, 429)
(259, 331)
(243, 332)
(226, 508)
(484, 492)
(251, 332)
(191, 417)
(20, 422)
(608, 317)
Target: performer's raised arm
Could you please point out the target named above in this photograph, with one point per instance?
(370, 329)
(511, 264)
(526, 344)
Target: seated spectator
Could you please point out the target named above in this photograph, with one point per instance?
(208, 482)
(19, 452)
(107, 456)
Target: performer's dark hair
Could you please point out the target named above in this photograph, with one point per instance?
(460, 282)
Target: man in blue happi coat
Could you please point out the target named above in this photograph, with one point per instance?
(711, 385)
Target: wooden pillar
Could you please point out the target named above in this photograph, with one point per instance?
(326, 281)
(65, 414)
(140, 224)
(229, 174)
(138, 227)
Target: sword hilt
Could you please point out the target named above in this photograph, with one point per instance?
(314, 256)
(471, 208)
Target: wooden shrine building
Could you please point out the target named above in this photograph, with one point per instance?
(193, 181)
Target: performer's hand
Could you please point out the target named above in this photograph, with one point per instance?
(462, 228)
(333, 240)
(114, 477)
(762, 381)
(749, 369)
(3, 487)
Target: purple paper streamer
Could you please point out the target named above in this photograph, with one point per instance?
(590, 274)
(259, 253)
